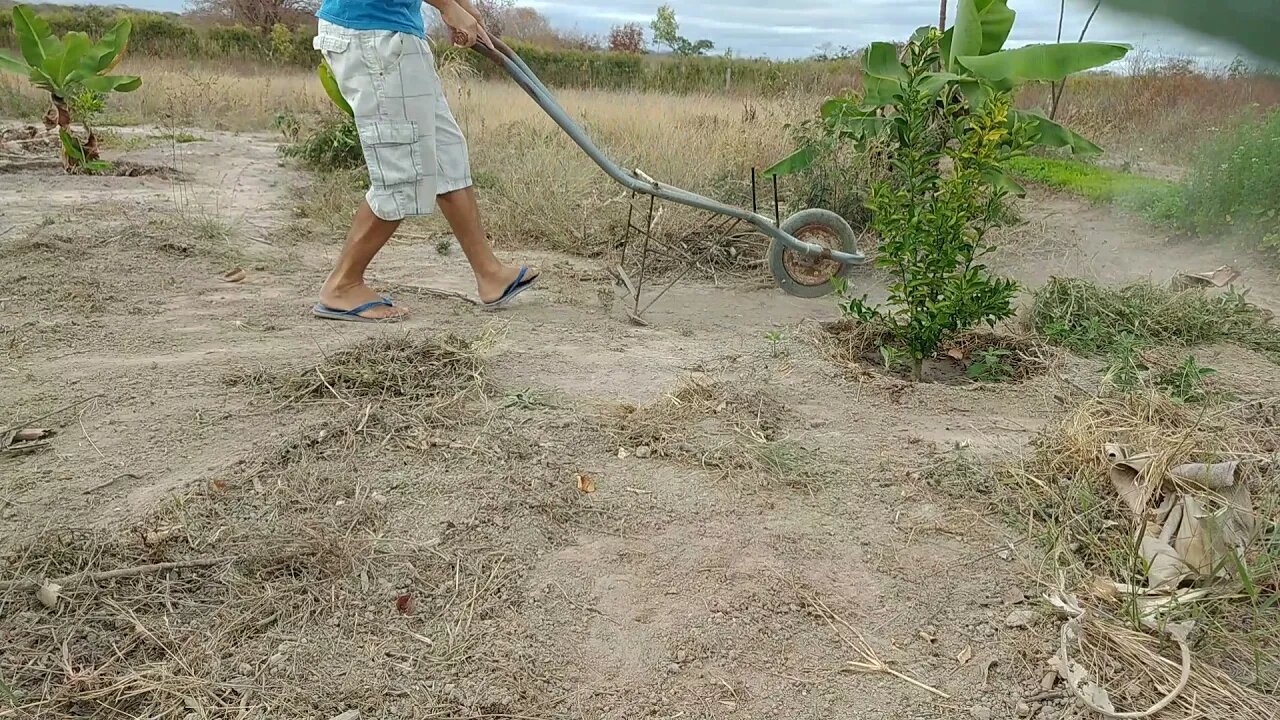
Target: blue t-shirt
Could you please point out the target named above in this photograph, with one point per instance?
(395, 15)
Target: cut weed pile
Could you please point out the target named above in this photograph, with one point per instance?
(440, 372)
(1064, 494)
(732, 431)
(306, 580)
(1092, 320)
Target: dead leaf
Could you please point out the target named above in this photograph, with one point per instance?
(31, 434)
(927, 637)
(48, 595)
(586, 483)
(405, 604)
(965, 655)
(955, 354)
(234, 275)
(218, 485)
(1165, 567)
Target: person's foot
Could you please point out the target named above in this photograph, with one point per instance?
(495, 287)
(344, 299)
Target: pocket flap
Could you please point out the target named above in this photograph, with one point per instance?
(389, 133)
(333, 43)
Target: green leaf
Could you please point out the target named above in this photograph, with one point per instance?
(878, 92)
(1051, 134)
(921, 33)
(882, 62)
(72, 147)
(76, 44)
(106, 54)
(1002, 181)
(976, 93)
(1044, 63)
(42, 80)
(861, 128)
(793, 163)
(112, 83)
(967, 32)
(331, 89)
(836, 108)
(35, 39)
(933, 83)
(9, 63)
(997, 22)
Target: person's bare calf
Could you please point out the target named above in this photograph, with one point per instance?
(492, 277)
(345, 288)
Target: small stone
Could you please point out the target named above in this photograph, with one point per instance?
(1005, 555)
(1023, 709)
(643, 452)
(980, 713)
(348, 715)
(1021, 619)
(1049, 680)
(673, 668)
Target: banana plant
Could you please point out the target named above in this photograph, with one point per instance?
(972, 66)
(75, 71)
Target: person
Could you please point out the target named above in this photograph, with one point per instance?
(416, 155)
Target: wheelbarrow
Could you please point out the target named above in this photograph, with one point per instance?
(806, 250)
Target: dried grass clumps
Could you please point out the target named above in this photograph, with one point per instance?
(1063, 494)
(438, 372)
(716, 425)
(1139, 672)
(854, 347)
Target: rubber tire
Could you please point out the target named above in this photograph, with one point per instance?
(813, 216)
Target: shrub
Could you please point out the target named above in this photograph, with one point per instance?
(335, 145)
(932, 222)
(1235, 183)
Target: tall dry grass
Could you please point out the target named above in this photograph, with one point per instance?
(237, 97)
(539, 187)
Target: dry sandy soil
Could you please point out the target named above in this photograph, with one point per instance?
(442, 560)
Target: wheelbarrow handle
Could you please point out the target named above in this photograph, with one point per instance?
(636, 181)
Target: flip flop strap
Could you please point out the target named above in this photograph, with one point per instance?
(368, 305)
(517, 282)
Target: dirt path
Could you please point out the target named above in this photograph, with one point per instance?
(676, 589)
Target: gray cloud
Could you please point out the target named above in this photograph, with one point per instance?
(795, 28)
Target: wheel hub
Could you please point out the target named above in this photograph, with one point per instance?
(812, 269)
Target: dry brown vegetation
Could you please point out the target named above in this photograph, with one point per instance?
(559, 515)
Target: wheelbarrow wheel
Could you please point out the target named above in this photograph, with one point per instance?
(809, 276)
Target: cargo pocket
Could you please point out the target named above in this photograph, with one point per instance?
(391, 152)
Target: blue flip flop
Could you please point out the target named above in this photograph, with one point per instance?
(517, 286)
(325, 312)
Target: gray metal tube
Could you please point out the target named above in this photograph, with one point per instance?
(525, 78)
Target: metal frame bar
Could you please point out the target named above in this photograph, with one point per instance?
(652, 245)
(636, 180)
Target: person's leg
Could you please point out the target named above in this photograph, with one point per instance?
(493, 278)
(345, 288)
(457, 201)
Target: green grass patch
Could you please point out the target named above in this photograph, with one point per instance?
(1096, 183)
(1092, 320)
(1234, 185)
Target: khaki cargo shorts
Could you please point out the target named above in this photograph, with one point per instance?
(412, 144)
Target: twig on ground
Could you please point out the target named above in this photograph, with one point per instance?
(72, 580)
(870, 662)
(33, 421)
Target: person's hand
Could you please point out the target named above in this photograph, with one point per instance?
(464, 29)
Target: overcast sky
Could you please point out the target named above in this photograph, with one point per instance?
(795, 28)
